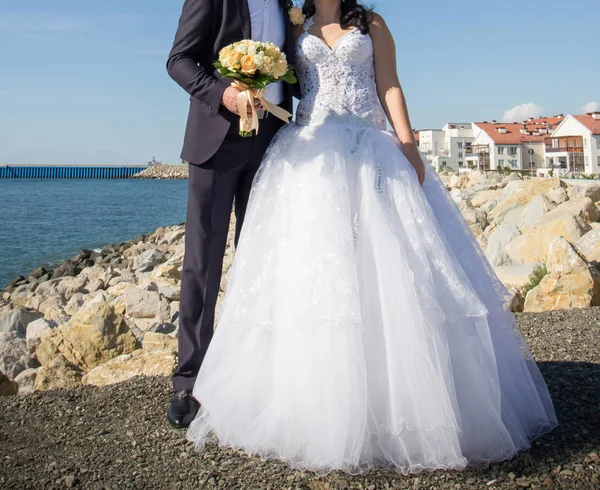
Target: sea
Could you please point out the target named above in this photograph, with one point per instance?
(44, 221)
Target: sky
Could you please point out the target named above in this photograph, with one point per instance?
(84, 81)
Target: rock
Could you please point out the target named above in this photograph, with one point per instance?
(22, 295)
(171, 269)
(161, 171)
(501, 236)
(483, 197)
(488, 206)
(537, 207)
(140, 363)
(26, 381)
(34, 333)
(56, 315)
(173, 236)
(14, 357)
(589, 245)
(95, 285)
(68, 286)
(570, 283)
(582, 191)
(148, 260)
(92, 337)
(513, 176)
(7, 386)
(477, 220)
(511, 215)
(147, 304)
(58, 373)
(522, 192)
(66, 269)
(75, 303)
(534, 243)
(516, 275)
(517, 301)
(17, 320)
(584, 209)
(120, 288)
(558, 195)
(170, 292)
(154, 341)
(563, 258)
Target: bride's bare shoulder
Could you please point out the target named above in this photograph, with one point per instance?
(377, 22)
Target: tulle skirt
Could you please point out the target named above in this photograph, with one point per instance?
(362, 326)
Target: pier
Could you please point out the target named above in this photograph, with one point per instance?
(69, 171)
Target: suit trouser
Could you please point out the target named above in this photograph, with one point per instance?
(213, 188)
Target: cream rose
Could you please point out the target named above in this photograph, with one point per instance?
(234, 59)
(267, 65)
(296, 16)
(248, 65)
(280, 69)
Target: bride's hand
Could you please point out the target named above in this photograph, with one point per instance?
(419, 167)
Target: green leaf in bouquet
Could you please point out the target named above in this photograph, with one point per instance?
(289, 77)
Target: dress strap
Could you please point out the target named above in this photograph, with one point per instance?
(308, 24)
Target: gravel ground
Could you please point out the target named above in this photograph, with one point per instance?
(117, 437)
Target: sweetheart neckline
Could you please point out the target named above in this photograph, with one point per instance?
(329, 48)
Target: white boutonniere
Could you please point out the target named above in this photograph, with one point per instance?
(296, 16)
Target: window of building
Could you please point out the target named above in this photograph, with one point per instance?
(444, 163)
(460, 163)
(513, 163)
(500, 150)
(460, 145)
(460, 154)
(501, 163)
(512, 150)
(598, 144)
(599, 161)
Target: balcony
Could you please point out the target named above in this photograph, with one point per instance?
(564, 149)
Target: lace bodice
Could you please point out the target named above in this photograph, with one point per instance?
(337, 84)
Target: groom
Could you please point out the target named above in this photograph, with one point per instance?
(222, 164)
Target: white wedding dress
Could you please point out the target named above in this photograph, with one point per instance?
(362, 326)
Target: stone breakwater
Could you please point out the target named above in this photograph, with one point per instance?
(99, 318)
(106, 316)
(164, 172)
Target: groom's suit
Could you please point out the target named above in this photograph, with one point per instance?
(222, 164)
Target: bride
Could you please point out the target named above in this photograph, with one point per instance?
(362, 326)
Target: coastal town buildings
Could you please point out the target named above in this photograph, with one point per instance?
(557, 145)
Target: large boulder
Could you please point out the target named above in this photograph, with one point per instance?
(17, 320)
(511, 215)
(580, 191)
(141, 303)
(497, 241)
(523, 191)
(570, 283)
(26, 381)
(583, 208)
(533, 245)
(148, 259)
(92, 337)
(58, 373)
(35, 331)
(7, 386)
(155, 341)
(171, 269)
(483, 197)
(539, 206)
(14, 356)
(139, 363)
(589, 245)
(476, 219)
(558, 196)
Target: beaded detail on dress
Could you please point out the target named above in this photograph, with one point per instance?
(337, 83)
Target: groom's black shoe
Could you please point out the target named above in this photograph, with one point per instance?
(183, 409)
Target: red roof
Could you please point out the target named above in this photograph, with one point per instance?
(535, 130)
(589, 122)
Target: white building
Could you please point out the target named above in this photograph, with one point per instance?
(518, 146)
(445, 148)
(574, 146)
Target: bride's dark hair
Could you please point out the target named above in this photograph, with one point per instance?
(353, 14)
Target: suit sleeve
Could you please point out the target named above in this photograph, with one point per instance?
(191, 42)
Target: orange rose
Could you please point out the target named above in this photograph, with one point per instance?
(233, 59)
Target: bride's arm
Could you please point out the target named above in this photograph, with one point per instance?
(390, 92)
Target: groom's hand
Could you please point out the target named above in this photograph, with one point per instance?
(229, 100)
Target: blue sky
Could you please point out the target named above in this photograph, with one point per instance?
(84, 81)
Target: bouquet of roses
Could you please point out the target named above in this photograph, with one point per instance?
(253, 65)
